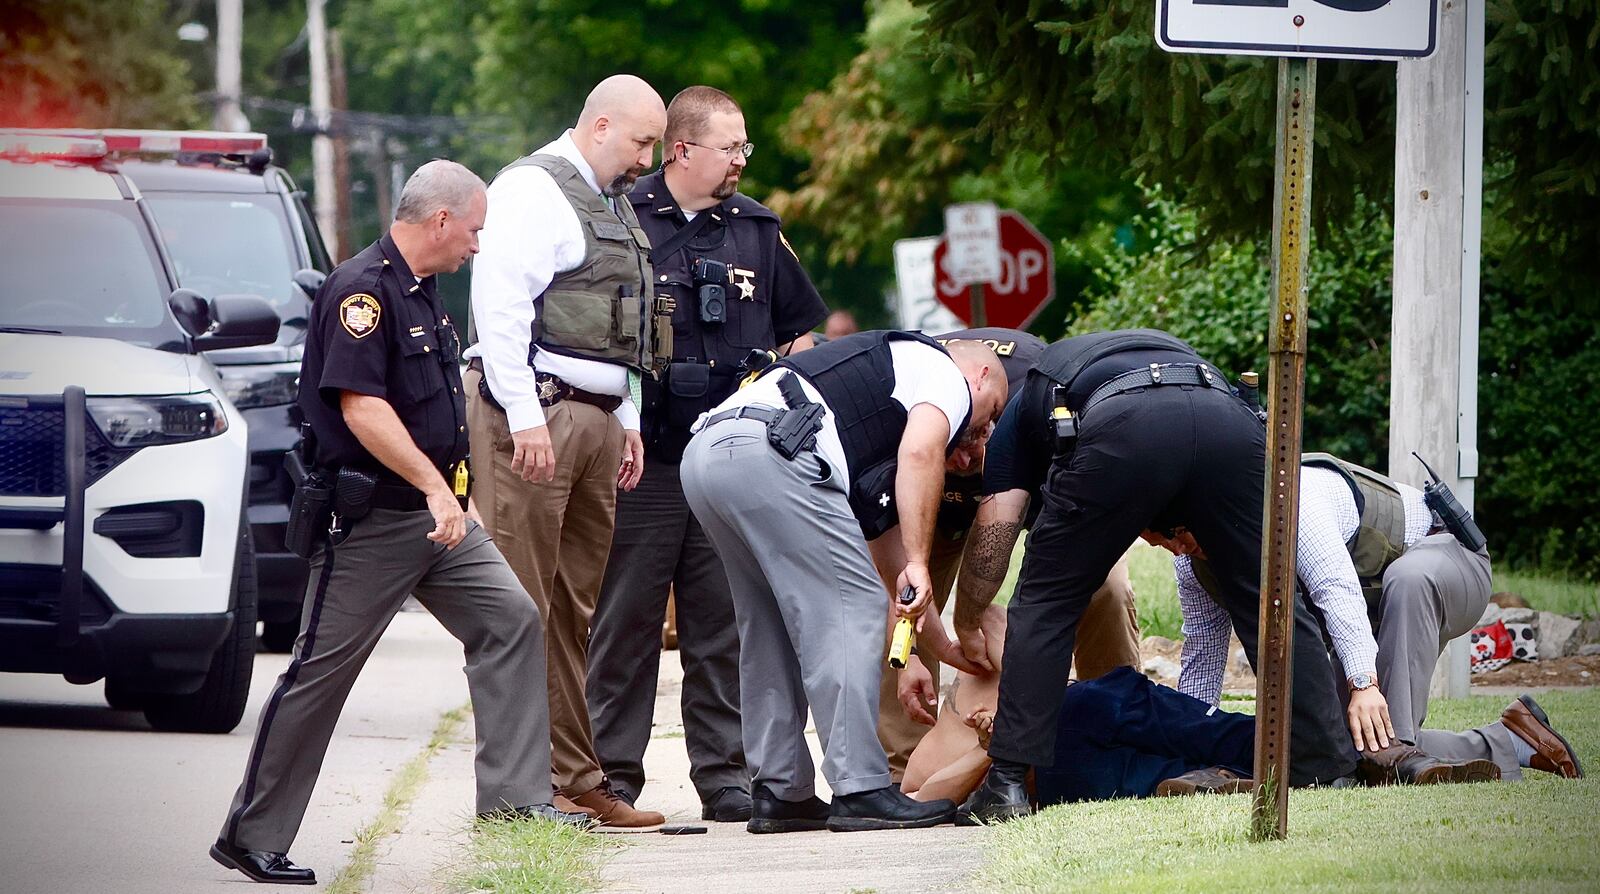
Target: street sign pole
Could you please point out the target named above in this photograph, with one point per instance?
(980, 319)
(1291, 233)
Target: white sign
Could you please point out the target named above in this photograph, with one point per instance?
(972, 230)
(1348, 29)
(913, 272)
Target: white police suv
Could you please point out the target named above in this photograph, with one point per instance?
(124, 548)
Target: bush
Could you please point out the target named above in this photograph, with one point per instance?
(1538, 490)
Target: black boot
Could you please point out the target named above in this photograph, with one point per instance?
(886, 808)
(262, 866)
(1002, 796)
(769, 813)
(730, 804)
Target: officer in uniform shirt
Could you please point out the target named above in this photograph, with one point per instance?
(736, 286)
(381, 391)
(779, 475)
(1124, 431)
(908, 698)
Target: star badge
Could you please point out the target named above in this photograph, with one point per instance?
(745, 280)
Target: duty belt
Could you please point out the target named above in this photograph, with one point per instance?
(1156, 374)
(552, 390)
(760, 413)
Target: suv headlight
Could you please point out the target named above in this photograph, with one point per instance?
(147, 421)
(264, 385)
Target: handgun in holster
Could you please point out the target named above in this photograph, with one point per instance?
(311, 506)
(795, 429)
(1457, 520)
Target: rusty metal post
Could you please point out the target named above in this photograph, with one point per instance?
(1286, 352)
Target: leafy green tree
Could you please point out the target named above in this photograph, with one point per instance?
(82, 63)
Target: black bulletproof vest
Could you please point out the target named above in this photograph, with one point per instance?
(1064, 360)
(855, 376)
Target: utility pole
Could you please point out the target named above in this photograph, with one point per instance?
(230, 40)
(341, 142)
(322, 172)
(1438, 215)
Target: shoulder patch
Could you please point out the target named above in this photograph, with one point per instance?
(359, 314)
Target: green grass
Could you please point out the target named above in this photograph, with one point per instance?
(352, 879)
(1550, 593)
(528, 856)
(1540, 834)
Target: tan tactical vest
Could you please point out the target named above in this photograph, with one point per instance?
(1380, 536)
(598, 309)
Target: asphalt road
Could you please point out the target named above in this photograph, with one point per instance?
(92, 799)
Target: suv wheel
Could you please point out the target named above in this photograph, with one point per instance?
(218, 705)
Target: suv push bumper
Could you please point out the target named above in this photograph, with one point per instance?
(147, 653)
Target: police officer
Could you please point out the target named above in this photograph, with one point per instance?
(779, 475)
(1125, 431)
(736, 286)
(382, 393)
(564, 334)
(908, 699)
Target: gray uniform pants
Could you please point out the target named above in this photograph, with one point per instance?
(1434, 593)
(812, 614)
(353, 593)
(659, 546)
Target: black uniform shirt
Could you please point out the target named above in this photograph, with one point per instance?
(377, 330)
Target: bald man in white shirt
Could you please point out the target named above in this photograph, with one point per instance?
(563, 335)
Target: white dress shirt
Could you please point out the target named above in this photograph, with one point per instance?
(1328, 519)
(922, 375)
(531, 234)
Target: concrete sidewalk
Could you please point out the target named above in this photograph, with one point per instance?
(418, 859)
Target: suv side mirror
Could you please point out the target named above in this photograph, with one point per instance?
(310, 281)
(239, 321)
(191, 309)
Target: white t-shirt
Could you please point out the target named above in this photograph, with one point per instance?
(922, 375)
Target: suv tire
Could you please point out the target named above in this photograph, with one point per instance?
(218, 705)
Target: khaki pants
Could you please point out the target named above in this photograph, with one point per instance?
(1108, 637)
(556, 536)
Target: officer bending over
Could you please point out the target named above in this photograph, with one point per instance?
(778, 475)
(735, 286)
(1124, 431)
(381, 391)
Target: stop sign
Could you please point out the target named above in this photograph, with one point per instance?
(1027, 277)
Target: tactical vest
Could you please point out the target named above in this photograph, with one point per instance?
(1380, 536)
(1064, 360)
(597, 310)
(1018, 351)
(855, 376)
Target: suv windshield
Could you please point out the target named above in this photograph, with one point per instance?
(83, 267)
(231, 243)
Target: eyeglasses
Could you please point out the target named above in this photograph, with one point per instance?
(745, 149)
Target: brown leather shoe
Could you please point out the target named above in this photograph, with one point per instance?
(1402, 764)
(1210, 781)
(1552, 753)
(615, 814)
(565, 805)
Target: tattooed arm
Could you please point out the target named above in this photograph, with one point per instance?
(984, 565)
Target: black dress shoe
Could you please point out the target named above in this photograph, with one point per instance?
(729, 805)
(769, 814)
(545, 812)
(886, 808)
(262, 866)
(1002, 796)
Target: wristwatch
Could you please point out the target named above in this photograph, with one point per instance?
(1362, 681)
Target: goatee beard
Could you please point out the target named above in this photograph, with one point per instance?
(727, 188)
(623, 183)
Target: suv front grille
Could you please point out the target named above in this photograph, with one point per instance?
(31, 440)
(33, 593)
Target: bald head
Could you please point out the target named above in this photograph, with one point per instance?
(618, 129)
(985, 379)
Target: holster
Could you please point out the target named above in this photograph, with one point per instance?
(796, 428)
(310, 509)
(352, 494)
